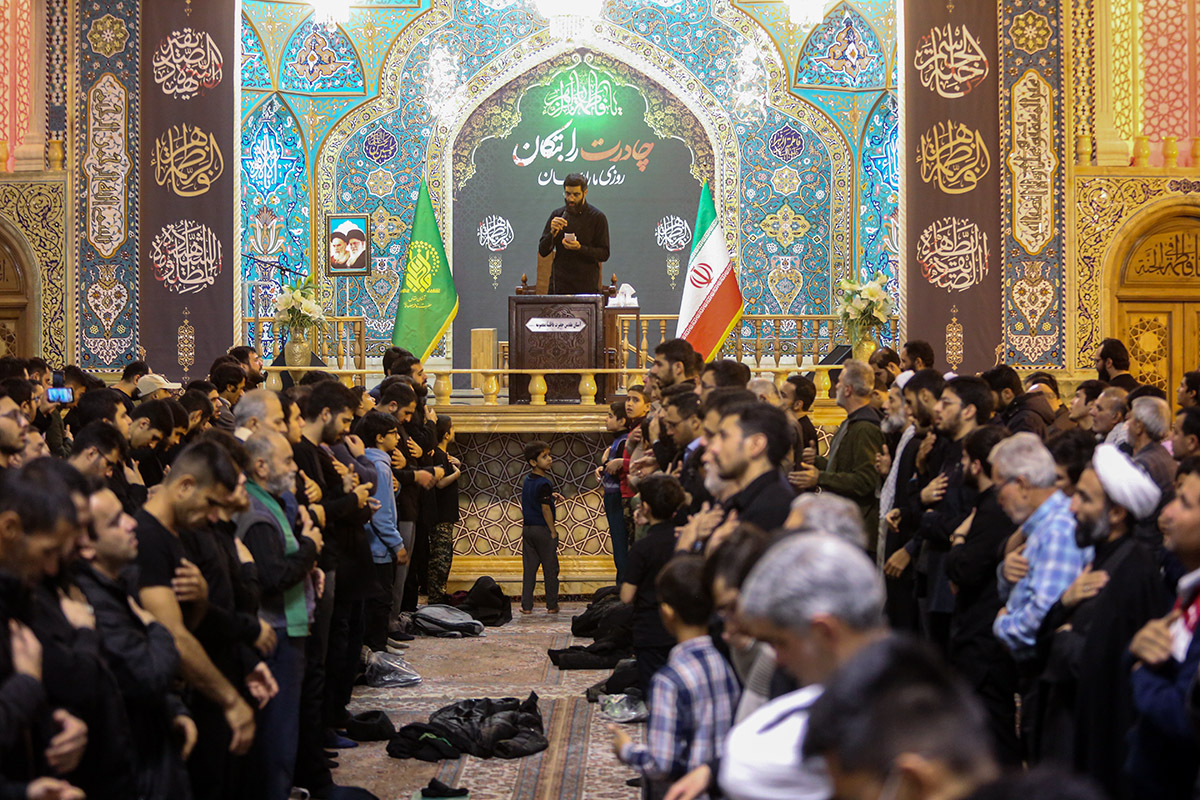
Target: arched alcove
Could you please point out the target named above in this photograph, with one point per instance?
(18, 271)
(1152, 290)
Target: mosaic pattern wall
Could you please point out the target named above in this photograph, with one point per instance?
(813, 173)
(38, 210)
(1033, 221)
(105, 170)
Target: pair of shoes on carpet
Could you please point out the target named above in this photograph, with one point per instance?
(438, 789)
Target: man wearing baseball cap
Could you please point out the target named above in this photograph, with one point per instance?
(155, 387)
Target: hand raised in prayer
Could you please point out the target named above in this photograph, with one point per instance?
(883, 462)
(309, 530)
(266, 641)
(923, 451)
(1152, 644)
(80, 615)
(68, 745)
(414, 449)
(1016, 566)
(1087, 584)
(893, 519)
(935, 490)
(26, 650)
(355, 445)
(398, 459)
(189, 584)
(312, 489)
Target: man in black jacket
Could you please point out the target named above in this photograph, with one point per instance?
(36, 738)
(975, 548)
(1017, 409)
(346, 508)
(285, 553)
(140, 652)
(747, 450)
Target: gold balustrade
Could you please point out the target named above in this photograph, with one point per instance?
(343, 340)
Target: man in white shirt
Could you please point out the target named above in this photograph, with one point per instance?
(817, 600)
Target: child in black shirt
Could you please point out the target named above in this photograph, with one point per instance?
(441, 542)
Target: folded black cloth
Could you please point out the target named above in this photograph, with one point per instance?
(438, 789)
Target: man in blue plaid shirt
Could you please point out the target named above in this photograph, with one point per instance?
(1024, 474)
(693, 698)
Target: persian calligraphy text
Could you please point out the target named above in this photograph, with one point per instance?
(954, 156)
(186, 256)
(107, 165)
(953, 254)
(950, 61)
(1032, 162)
(187, 160)
(187, 63)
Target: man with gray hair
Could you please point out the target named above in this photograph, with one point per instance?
(826, 513)
(1023, 471)
(849, 468)
(1149, 423)
(817, 600)
(766, 390)
(257, 411)
(1108, 417)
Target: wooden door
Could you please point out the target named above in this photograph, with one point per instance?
(15, 337)
(1163, 340)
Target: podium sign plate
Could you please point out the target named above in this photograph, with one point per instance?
(555, 332)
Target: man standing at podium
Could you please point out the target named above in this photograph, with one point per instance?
(577, 233)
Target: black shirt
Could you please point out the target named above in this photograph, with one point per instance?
(577, 271)
(647, 557)
(159, 551)
(766, 502)
(447, 496)
(1124, 381)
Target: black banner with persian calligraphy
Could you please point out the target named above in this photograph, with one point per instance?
(952, 134)
(186, 238)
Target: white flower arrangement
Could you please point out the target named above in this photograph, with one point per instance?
(864, 306)
(297, 308)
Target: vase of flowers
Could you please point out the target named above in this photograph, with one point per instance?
(296, 309)
(862, 309)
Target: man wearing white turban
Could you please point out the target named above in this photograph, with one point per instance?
(1088, 698)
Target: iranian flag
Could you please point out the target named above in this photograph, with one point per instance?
(428, 300)
(712, 302)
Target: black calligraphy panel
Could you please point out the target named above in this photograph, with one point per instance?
(186, 255)
(953, 162)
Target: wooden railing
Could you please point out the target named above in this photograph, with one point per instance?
(342, 342)
(489, 381)
(783, 340)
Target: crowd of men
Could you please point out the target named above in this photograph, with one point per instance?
(188, 575)
(973, 577)
(978, 577)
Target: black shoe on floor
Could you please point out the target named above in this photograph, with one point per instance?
(438, 789)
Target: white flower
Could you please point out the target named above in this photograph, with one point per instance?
(284, 301)
(311, 309)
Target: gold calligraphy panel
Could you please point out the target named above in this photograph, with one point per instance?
(107, 165)
(187, 160)
(1032, 162)
(953, 254)
(1165, 257)
(953, 156)
(949, 61)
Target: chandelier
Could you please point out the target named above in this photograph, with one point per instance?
(806, 13)
(329, 14)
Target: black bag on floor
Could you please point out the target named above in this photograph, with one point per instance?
(586, 624)
(487, 603)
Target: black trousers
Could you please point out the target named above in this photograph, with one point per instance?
(538, 548)
(379, 607)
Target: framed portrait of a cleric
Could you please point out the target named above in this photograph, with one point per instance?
(349, 245)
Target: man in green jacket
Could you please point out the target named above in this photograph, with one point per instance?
(849, 468)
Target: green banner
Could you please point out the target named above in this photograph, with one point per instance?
(428, 300)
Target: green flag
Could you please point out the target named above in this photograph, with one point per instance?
(428, 300)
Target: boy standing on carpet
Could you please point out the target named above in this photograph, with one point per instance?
(693, 698)
(539, 537)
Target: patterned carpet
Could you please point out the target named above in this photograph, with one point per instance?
(509, 662)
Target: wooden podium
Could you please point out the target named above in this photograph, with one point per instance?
(564, 331)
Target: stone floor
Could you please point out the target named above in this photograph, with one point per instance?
(509, 661)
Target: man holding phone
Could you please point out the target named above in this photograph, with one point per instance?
(577, 233)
